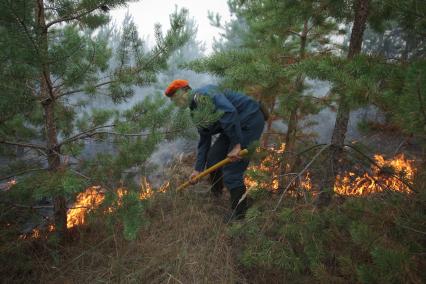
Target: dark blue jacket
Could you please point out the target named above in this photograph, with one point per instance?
(237, 110)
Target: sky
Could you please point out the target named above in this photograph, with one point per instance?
(146, 13)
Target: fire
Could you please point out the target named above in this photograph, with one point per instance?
(380, 179)
(164, 187)
(7, 185)
(146, 189)
(268, 167)
(37, 233)
(86, 201)
(93, 197)
(306, 182)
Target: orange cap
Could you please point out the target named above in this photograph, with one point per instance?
(174, 86)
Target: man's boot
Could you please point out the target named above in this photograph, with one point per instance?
(216, 181)
(238, 206)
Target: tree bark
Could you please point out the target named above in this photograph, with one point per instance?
(360, 22)
(265, 140)
(48, 103)
(343, 110)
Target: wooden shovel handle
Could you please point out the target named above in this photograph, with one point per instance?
(212, 169)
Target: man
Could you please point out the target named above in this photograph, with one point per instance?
(239, 122)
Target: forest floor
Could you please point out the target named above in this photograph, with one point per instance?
(185, 240)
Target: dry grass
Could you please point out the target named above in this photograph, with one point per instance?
(185, 242)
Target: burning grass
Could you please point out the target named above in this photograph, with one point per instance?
(395, 174)
(184, 242)
(387, 174)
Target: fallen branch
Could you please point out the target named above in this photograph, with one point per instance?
(299, 175)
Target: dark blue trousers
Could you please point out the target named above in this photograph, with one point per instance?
(233, 174)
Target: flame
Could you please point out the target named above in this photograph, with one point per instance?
(86, 201)
(146, 189)
(8, 185)
(269, 166)
(164, 187)
(376, 180)
(349, 184)
(380, 179)
(306, 182)
(93, 197)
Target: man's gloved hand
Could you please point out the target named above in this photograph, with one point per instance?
(192, 176)
(233, 155)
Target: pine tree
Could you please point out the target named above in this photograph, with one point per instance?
(54, 53)
(361, 12)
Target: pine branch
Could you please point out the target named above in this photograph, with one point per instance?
(81, 90)
(294, 33)
(131, 134)
(27, 33)
(89, 133)
(27, 206)
(91, 61)
(134, 71)
(84, 134)
(46, 76)
(75, 17)
(23, 145)
(22, 172)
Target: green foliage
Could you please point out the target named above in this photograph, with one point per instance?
(357, 241)
(357, 80)
(205, 114)
(406, 102)
(130, 213)
(45, 185)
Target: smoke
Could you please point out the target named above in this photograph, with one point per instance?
(167, 151)
(321, 125)
(166, 154)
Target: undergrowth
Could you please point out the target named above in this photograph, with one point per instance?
(374, 239)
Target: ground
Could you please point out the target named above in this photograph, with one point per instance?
(186, 241)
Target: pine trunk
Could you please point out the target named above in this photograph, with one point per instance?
(343, 110)
(265, 140)
(289, 156)
(48, 101)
